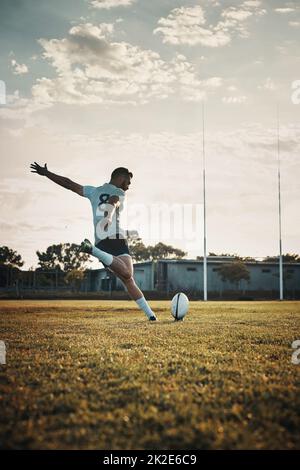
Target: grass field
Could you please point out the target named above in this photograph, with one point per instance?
(97, 375)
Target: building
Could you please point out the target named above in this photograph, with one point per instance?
(144, 275)
(161, 279)
(184, 275)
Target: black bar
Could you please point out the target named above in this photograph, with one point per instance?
(151, 458)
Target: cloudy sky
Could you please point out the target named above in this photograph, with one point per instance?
(95, 84)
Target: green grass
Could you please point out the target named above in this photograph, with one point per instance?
(97, 375)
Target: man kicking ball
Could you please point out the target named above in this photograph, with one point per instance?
(111, 246)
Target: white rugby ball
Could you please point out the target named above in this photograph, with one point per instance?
(179, 306)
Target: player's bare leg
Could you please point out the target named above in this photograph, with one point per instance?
(129, 282)
(122, 266)
(131, 287)
(119, 268)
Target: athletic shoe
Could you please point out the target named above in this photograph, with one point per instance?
(86, 246)
(153, 318)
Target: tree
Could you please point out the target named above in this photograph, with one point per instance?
(9, 257)
(222, 255)
(75, 278)
(234, 272)
(162, 251)
(62, 257)
(140, 252)
(228, 255)
(287, 258)
(10, 262)
(247, 259)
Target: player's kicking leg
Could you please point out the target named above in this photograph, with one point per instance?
(133, 290)
(121, 266)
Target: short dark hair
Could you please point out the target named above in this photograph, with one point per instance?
(121, 172)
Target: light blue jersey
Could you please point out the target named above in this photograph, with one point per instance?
(98, 196)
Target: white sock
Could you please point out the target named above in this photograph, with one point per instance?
(143, 304)
(106, 258)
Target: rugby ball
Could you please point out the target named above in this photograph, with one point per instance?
(179, 306)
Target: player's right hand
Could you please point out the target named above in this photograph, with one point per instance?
(40, 170)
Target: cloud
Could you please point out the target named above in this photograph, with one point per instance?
(236, 14)
(185, 25)
(107, 4)
(188, 25)
(294, 24)
(285, 10)
(252, 3)
(21, 109)
(189, 86)
(18, 69)
(92, 68)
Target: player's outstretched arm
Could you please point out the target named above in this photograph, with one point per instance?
(61, 180)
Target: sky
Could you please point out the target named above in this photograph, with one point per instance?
(96, 84)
